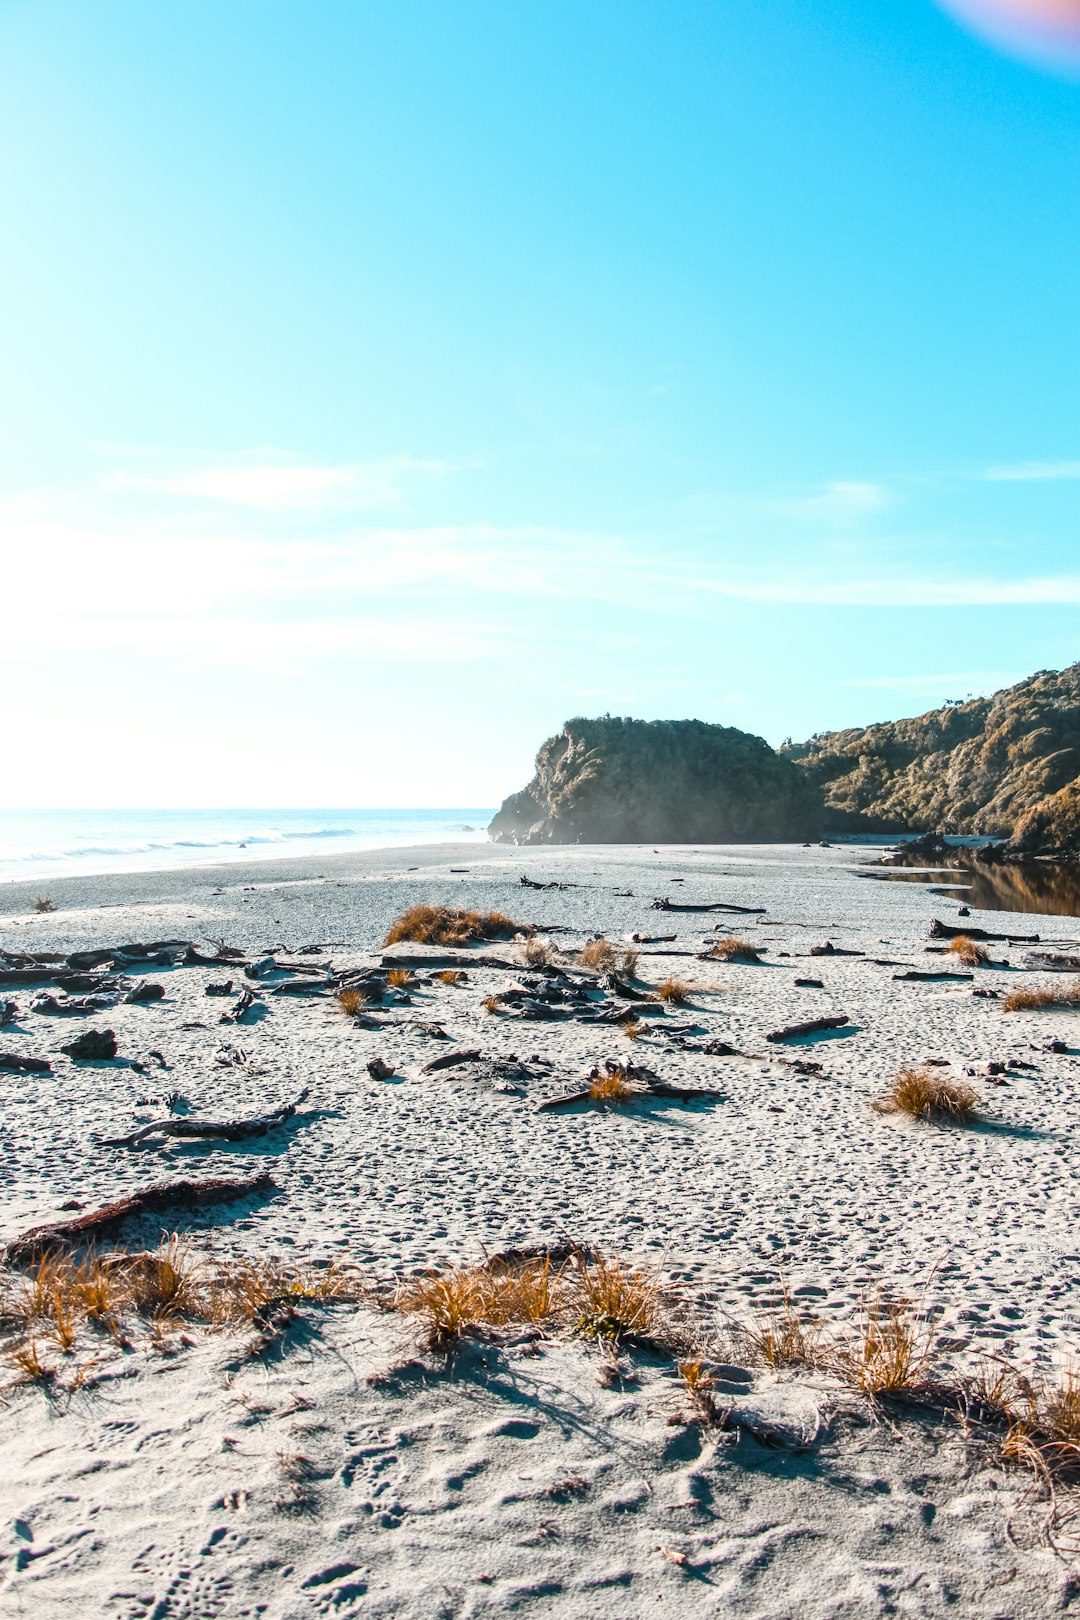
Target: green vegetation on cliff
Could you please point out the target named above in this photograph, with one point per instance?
(612, 781)
(985, 766)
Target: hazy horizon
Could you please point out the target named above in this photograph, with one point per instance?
(386, 385)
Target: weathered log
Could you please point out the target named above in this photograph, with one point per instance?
(17, 1064)
(245, 1003)
(448, 960)
(720, 1049)
(662, 903)
(77, 1006)
(379, 1070)
(9, 1011)
(223, 1130)
(301, 987)
(450, 1060)
(914, 974)
(812, 1026)
(527, 883)
(1052, 962)
(660, 1088)
(564, 1102)
(809, 984)
(11, 978)
(622, 988)
(145, 992)
(829, 949)
(106, 1222)
(940, 930)
(653, 939)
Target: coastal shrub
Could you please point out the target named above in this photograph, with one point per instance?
(1050, 995)
(449, 925)
(971, 954)
(924, 1094)
(735, 950)
(673, 991)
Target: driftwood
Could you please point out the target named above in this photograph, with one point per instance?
(17, 1064)
(914, 973)
(9, 1011)
(940, 930)
(76, 1007)
(301, 987)
(379, 1070)
(812, 1026)
(620, 987)
(1052, 962)
(829, 949)
(218, 1130)
(11, 978)
(450, 1060)
(654, 939)
(450, 960)
(527, 883)
(105, 1222)
(809, 984)
(662, 903)
(240, 1008)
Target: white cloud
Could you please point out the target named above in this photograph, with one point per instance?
(1033, 472)
(282, 485)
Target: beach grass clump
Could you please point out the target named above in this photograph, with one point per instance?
(734, 950)
(492, 1004)
(398, 978)
(611, 1085)
(968, 952)
(923, 1094)
(26, 1362)
(497, 1294)
(539, 951)
(634, 1028)
(354, 999)
(449, 925)
(452, 976)
(615, 1300)
(604, 957)
(890, 1351)
(786, 1337)
(168, 1283)
(1037, 1000)
(673, 992)
(44, 903)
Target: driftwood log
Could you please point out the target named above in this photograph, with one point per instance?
(217, 1130)
(940, 930)
(829, 949)
(450, 1060)
(17, 1064)
(1052, 962)
(662, 903)
(944, 973)
(106, 1221)
(450, 960)
(812, 1026)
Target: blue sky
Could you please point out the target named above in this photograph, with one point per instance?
(385, 382)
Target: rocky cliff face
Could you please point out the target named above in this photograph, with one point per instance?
(673, 781)
(997, 766)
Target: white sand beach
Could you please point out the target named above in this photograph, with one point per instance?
(348, 1470)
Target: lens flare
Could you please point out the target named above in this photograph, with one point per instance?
(1047, 31)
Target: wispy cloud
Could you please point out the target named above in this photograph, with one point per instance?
(277, 485)
(1032, 472)
(842, 501)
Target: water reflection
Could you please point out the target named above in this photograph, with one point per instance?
(1036, 886)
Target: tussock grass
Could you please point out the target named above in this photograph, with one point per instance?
(24, 1359)
(968, 952)
(890, 1351)
(634, 1028)
(398, 978)
(44, 903)
(448, 925)
(353, 1000)
(492, 1004)
(785, 1337)
(924, 1094)
(604, 957)
(475, 1297)
(674, 992)
(1050, 995)
(168, 1283)
(617, 1300)
(539, 951)
(451, 976)
(735, 950)
(611, 1086)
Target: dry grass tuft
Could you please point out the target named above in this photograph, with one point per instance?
(675, 992)
(25, 1360)
(398, 978)
(735, 950)
(451, 1302)
(604, 957)
(539, 951)
(616, 1300)
(451, 976)
(786, 1338)
(44, 903)
(1050, 995)
(492, 1004)
(890, 1351)
(351, 1001)
(634, 1028)
(925, 1094)
(168, 1283)
(968, 952)
(448, 925)
(611, 1086)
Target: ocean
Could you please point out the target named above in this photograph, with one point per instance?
(38, 844)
